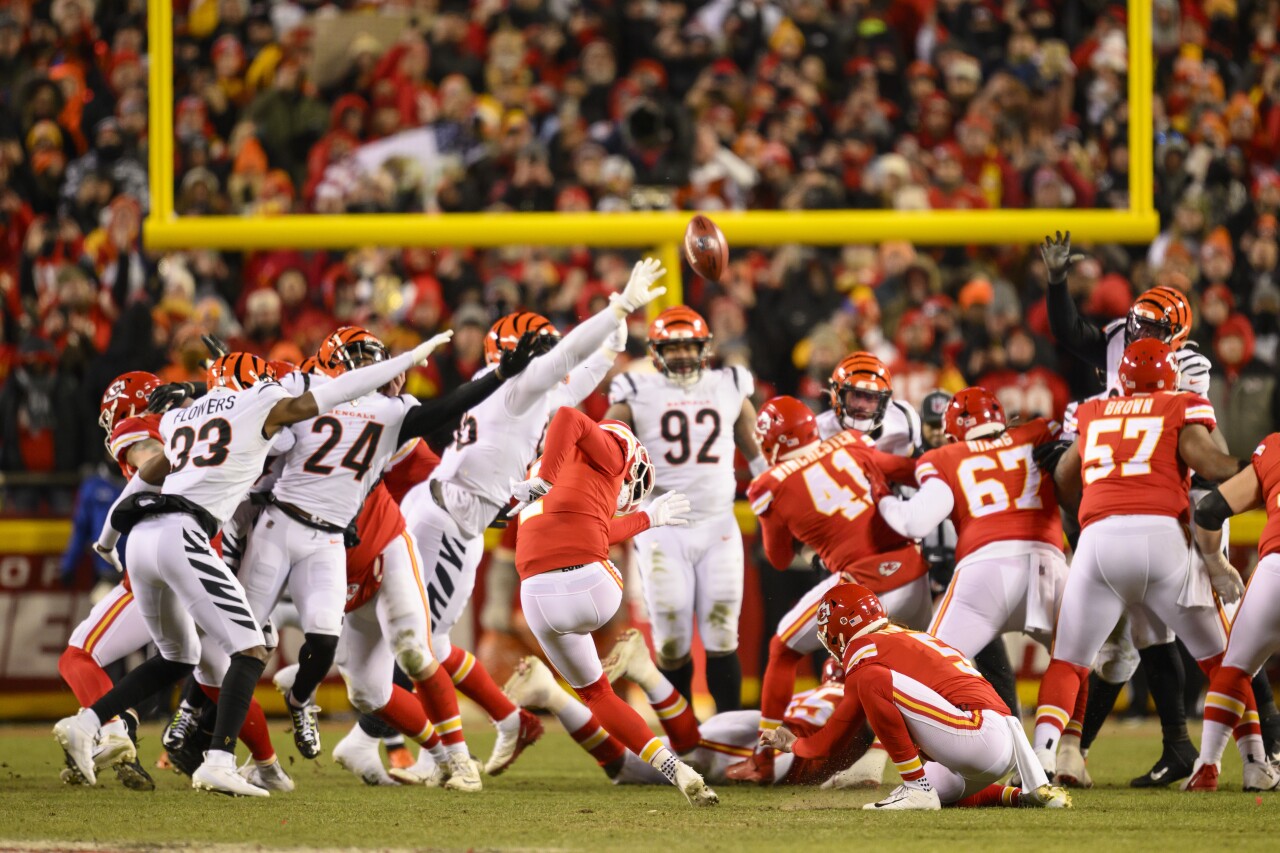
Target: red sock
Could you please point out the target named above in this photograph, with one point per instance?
(678, 722)
(405, 715)
(86, 679)
(604, 747)
(1228, 699)
(440, 702)
(992, 795)
(616, 716)
(779, 681)
(1075, 726)
(254, 732)
(1059, 689)
(875, 692)
(476, 684)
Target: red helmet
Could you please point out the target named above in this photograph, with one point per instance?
(680, 325)
(783, 425)
(1147, 366)
(125, 397)
(342, 349)
(237, 371)
(280, 368)
(639, 474)
(973, 413)
(507, 332)
(832, 671)
(860, 388)
(848, 611)
(1161, 313)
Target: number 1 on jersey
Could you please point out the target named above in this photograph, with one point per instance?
(828, 496)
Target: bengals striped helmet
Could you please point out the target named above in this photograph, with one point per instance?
(1161, 313)
(310, 365)
(507, 332)
(348, 348)
(674, 327)
(125, 397)
(1146, 367)
(638, 471)
(237, 371)
(860, 389)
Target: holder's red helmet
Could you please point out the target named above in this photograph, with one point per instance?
(848, 611)
(125, 397)
(783, 425)
(973, 413)
(638, 471)
(1147, 366)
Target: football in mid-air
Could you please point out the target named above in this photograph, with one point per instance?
(705, 248)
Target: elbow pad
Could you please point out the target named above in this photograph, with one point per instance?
(1212, 511)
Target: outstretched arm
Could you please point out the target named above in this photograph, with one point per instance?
(1198, 449)
(744, 438)
(150, 478)
(570, 428)
(922, 513)
(1082, 338)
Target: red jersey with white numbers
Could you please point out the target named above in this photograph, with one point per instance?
(1129, 454)
(1266, 464)
(999, 493)
(378, 524)
(410, 465)
(926, 659)
(826, 498)
(129, 432)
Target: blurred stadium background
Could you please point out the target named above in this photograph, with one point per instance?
(882, 170)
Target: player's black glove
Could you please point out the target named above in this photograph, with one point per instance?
(215, 346)
(1058, 256)
(1047, 455)
(170, 395)
(515, 360)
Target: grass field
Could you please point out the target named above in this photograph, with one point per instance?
(556, 799)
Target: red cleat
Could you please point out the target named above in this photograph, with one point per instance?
(504, 756)
(757, 769)
(1203, 778)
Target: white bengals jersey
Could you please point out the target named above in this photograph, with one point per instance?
(1193, 366)
(688, 432)
(216, 448)
(899, 432)
(337, 458)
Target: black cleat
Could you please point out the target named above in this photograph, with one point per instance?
(180, 727)
(1176, 763)
(134, 777)
(190, 755)
(306, 731)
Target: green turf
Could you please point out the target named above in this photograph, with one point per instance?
(556, 798)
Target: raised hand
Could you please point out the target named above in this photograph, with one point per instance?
(1057, 255)
(423, 350)
(168, 396)
(668, 510)
(640, 291)
(515, 360)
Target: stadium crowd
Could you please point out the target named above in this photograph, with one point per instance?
(644, 104)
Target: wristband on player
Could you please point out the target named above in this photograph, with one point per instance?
(757, 466)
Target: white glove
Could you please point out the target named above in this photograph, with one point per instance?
(1226, 582)
(668, 509)
(617, 340)
(109, 554)
(526, 492)
(1193, 371)
(423, 350)
(640, 291)
(780, 739)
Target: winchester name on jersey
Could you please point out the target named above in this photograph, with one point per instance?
(689, 432)
(216, 449)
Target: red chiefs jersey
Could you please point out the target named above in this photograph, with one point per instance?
(129, 432)
(1034, 393)
(410, 465)
(826, 498)
(1129, 454)
(378, 524)
(574, 523)
(1266, 464)
(999, 493)
(926, 659)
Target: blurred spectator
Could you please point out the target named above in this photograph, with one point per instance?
(1244, 393)
(98, 491)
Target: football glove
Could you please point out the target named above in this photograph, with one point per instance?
(781, 739)
(640, 291)
(668, 510)
(515, 360)
(169, 396)
(423, 350)
(109, 555)
(1193, 371)
(215, 346)
(1226, 581)
(1057, 255)
(1048, 454)
(526, 492)
(617, 340)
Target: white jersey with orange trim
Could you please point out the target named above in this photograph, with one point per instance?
(1193, 380)
(899, 434)
(216, 447)
(688, 432)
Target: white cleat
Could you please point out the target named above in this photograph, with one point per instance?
(629, 657)
(1048, 759)
(1047, 797)
(1261, 776)
(424, 771)
(270, 776)
(284, 678)
(464, 774)
(218, 774)
(1072, 772)
(866, 773)
(694, 787)
(78, 736)
(531, 685)
(113, 749)
(358, 753)
(904, 799)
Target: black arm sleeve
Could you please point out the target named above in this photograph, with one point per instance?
(1083, 339)
(430, 416)
(1212, 510)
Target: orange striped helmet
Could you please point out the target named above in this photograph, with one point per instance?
(1162, 313)
(125, 397)
(676, 326)
(237, 371)
(310, 364)
(345, 348)
(507, 332)
(860, 388)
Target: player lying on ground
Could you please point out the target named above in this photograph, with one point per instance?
(921, 697)
(215, 450)
(589, 474)
(710, 748)
(1132, 462)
